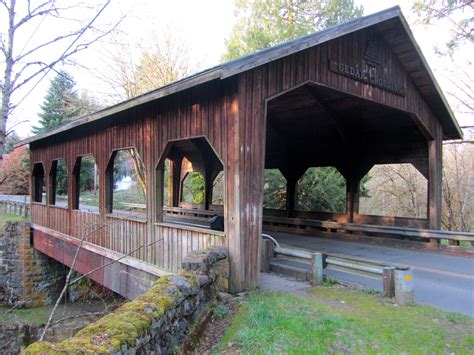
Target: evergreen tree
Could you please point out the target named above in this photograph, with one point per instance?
(265, 23)
(62, 103)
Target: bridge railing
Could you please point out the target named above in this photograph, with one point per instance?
(15, 205)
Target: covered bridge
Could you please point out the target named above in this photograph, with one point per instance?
(351, 96)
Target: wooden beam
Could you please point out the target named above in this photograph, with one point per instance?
(435, 148)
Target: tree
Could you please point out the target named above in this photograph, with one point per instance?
(321, 189)
(458, 13)
(14, 172)
(10, 140)
(458, 187)
(62, 103)
(22, 66)
(265, 23)
(162, 60)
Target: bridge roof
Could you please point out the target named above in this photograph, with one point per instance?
(404, 43)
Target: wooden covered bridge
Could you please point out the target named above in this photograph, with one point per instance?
(351, 96)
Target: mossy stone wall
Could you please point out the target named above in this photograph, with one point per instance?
(157, 321)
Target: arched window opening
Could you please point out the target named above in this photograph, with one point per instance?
(126, 183)
(218, 190)
(397, 190)
(86, 174)
(190, 181)
(321, 189)
(38, 193)
(193, 188)
(274, 190)
(58, 184)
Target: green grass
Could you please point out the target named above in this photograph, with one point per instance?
(37, 315)
(340, 319)
(8, 217)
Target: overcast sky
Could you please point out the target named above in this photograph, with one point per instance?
(204, 24)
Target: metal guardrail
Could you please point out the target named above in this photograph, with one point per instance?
(397, 281)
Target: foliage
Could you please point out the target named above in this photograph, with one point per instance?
(193, 188)
(458, 14)
(127, 164)
(270, 322)
(62, 103)
(220, 312)
(14, 172)
(61, 177)
(10, 142)
(274, 190)
(321, 189)
(264, 23)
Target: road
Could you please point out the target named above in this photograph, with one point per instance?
(442, 281)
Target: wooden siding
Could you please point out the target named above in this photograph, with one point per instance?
(231, 115)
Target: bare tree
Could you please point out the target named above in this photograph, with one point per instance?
(396, 190)
(458, 187)
(163, 58)
(26, 66)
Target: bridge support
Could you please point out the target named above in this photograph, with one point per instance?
(128, 277)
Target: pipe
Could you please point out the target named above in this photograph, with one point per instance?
(272, 239)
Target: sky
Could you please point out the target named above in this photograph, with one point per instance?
(203, 25)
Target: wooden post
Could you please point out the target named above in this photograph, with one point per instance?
(352, 198)
(290, 196)
(389, 281)
(266, 254)
(435, 171)
(317, 269)
(176, 178)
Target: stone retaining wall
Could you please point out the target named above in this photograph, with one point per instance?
(158, 321)
(28, 278)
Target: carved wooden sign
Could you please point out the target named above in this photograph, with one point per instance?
(367, 73)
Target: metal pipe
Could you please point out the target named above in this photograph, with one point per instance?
(272, 239)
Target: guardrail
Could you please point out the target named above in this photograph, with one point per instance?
(15, 206)
(405, 232)
(397, 281)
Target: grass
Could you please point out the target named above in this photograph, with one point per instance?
(340, 319)
(37, 315)
(8, 217)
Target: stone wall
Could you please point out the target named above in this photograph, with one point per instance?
(27, 277)
(158, 321)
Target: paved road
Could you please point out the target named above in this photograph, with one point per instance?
(442, 281)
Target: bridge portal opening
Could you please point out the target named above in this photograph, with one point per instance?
(324, 142)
